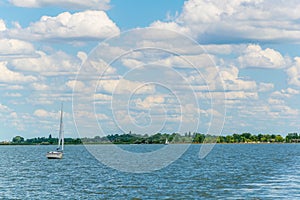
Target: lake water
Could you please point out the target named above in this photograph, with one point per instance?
(237, 171)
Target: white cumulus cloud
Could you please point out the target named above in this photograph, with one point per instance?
(46, 114)
(53, 64)
(41, 113)
(124, 86)
(265, 87)
(9, 76)
(255, 56)
(285, 93)
(40, 86)
(222, 21)
(233, 82)
(81, 25)
(294, 73)
(4, 108)
(13, 47)
(2, 25)
(150, 101)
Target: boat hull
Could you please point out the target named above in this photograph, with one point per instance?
(54, 155)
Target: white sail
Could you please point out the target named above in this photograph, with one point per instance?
(167, 141)
(61, 132)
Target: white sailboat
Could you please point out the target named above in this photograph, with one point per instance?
(167, 141)
(58, 154)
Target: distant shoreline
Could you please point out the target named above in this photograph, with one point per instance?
(159, 138)
(84, 144)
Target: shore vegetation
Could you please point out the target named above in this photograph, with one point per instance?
(160, 138)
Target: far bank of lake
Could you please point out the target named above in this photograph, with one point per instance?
(159, 138)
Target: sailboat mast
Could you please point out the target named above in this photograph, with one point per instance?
(61, 136)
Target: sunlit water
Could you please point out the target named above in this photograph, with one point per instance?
(254, 171)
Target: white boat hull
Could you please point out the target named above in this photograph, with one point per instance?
(54, 155)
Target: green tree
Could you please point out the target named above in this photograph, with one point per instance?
(246, 135)
(253, 138)
(237, 138)
(291, 136)
(279, 138)
(263, 139)
(18, 139)
(199, 138)
(221, 139)
(229, 139)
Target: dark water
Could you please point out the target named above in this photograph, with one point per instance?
(261, 171)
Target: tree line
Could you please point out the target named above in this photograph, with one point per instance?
(160, 138)
(19, 140)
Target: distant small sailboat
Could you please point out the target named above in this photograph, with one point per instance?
(167, 141)
(58, 154)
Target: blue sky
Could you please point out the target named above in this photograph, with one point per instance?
(217, 67)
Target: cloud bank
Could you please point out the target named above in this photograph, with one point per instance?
(86, 25)
(72, 4)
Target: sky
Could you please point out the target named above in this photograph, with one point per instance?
(209, 66)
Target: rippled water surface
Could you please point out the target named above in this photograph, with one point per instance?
(253, 171)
